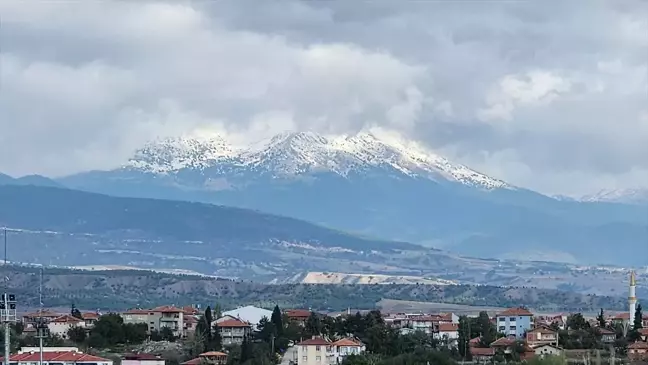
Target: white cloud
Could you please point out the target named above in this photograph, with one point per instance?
(561, 97)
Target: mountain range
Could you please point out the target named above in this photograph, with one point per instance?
(68, 228)
(376, 185)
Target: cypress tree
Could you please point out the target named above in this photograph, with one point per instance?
(209, 344)
(637, 325)
(277, 321)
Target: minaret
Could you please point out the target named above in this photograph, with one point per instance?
(632, 298)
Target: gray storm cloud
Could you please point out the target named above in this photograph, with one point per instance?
(548, 96)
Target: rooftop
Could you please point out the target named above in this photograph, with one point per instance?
(515, 312)
(316, 341)
(55, 356)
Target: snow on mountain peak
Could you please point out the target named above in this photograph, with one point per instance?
(298, 153)
(632, 196)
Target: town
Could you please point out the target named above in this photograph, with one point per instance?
(191, 335)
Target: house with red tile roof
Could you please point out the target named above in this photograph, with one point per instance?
(638, 351)
(55, 358)
(233, 330)
(541, 336)
(208, 358)
(29, 320)
(299, 316)
(482, 355)
(90, 318)
(319, 351)
(62, 324)
(514, 322)
(447, 332)
(607, 336)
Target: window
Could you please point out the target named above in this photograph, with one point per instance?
(502, 328)
(304, 348)
(305, 358)
(512, 319)
(317, 348)
(501, 319)
(318, 358)
(512, 328)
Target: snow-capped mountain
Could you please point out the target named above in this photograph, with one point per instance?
(376, 185)
(626, 196)
(305, 153)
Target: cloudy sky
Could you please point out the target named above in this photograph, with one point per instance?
(550, 95)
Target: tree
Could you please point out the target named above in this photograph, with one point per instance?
(638, 318)
(217, 341)
(313, 325)
(208, 335)
(75, 312)
(464, 337)
(217, 311)
(277, 321)
(601, 319)
(135, 333)
(246, 350)
(167, 334)
(110, 328)
(77, 334)
(577, 322)
(487, 329)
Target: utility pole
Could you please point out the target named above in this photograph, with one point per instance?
(41, 327)
(7, 308)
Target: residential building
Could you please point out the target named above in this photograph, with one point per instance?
(50, 357)
(514, 322)
(90, 318)
(142, 359)
(208, 358)
(299, 316)
(158, 318)
(249, 314)
(547, 349)
(638, 351)
(507, 346)
(319, 351)
(607, 336)
(448, 332)
(345, 347)
(233, 331)
(61, 325)
(30, 319)
(482, 355)
(190, 323)
(540, 336)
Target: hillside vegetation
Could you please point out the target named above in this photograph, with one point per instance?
(112, 290)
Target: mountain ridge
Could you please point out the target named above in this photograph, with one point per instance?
(380, 187)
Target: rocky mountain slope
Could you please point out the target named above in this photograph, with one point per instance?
(379, 186)
(117, 290)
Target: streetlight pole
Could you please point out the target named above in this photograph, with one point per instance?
(7, 308)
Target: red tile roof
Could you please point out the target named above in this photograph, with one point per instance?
(298, 313)
(347, 342)
(167, 309)
(622, 316)
(317, 341)
(190, 310)
(196, 361)
(448, 327)
(233, 323)
(55, 356)
(503, 342)
(45, 313)
(639, 345)
(515, 312)
(66, 319)
(605, 331)
(543, 330)
(480, 351)
(90, 315)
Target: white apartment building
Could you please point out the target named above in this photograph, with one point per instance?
(61, 325)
